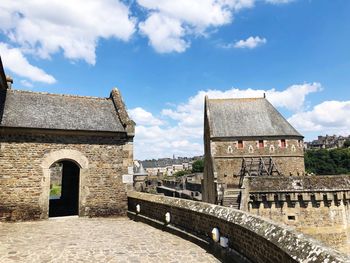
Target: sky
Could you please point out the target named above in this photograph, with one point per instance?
(166, 55)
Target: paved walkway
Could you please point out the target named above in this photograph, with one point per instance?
(73, 239)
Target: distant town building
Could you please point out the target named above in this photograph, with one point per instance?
(188, 186)
(168, 166)
(327, 142)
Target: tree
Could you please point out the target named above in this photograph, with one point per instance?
(347, 144)
(198, 166)
(328, 162)
(181, 173)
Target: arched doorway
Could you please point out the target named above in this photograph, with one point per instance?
(64, 188)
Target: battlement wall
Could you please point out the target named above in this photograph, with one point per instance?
(315, 205)
(260, 240)
(299, 184)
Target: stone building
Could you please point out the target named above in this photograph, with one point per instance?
(90, 138)
(254, 161)
(327, 142)
(246, 136)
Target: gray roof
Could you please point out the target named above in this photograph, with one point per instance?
(254, 117)
(64, 112)
(3, 81)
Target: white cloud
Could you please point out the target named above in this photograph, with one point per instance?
(26, 83)
(277, 2)
(184, 137)
(326, 117)
(14, 60)
(46, 27)
(169, 22)
(75, 27)
(165, 33)
(143, 117)
(250, 42)
(292, 98)
(164, 141)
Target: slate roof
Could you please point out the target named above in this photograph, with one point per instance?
(3, 82)
(64, 112)
(254, 117)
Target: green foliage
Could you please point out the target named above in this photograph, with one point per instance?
(347, 144)
(55, 190)
(181, 173)
(323, 162)
(198, 166)
(152, 191)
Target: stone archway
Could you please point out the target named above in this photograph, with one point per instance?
(63, 155)
(64, 179)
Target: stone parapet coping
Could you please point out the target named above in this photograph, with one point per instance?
(298, 183)
(259, 239)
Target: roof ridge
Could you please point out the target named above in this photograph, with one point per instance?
(57, 94)
(228, 99)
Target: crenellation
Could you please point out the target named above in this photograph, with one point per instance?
(303, 198)
(276, 242)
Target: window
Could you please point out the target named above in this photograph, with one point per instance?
(261, 144)
(240, 144)
(283, 143)
(291, 217)
(251, 149)
(300, 142)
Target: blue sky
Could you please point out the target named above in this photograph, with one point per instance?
(165, 56)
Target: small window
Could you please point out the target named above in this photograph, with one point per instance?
(300, 142)
(283, 143)
(291, 217)
(261, 144)
(240, 144)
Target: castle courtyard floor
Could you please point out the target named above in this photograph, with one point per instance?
(73, 239)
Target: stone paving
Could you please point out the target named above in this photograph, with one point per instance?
(73, 239)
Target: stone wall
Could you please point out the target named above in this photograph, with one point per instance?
(25, 159)
(228, 157)
(258, 239)
(209, 193)
(315, 205)
(223, 159)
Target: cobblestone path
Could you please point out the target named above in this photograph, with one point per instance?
(73, 239)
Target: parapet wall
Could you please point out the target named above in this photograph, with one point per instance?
(258, 239)
(314, 205)
(301, 183)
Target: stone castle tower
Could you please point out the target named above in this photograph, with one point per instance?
(247, 136)
(254, 161)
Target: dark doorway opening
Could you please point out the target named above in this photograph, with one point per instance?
(64, 189)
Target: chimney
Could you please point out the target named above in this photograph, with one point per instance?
(9, 81)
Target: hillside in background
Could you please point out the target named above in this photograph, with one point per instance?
(328, 162)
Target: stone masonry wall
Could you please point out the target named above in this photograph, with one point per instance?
(208, 184)
(228, 157)
(22, 177)
(315, 205)
(258, 239)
